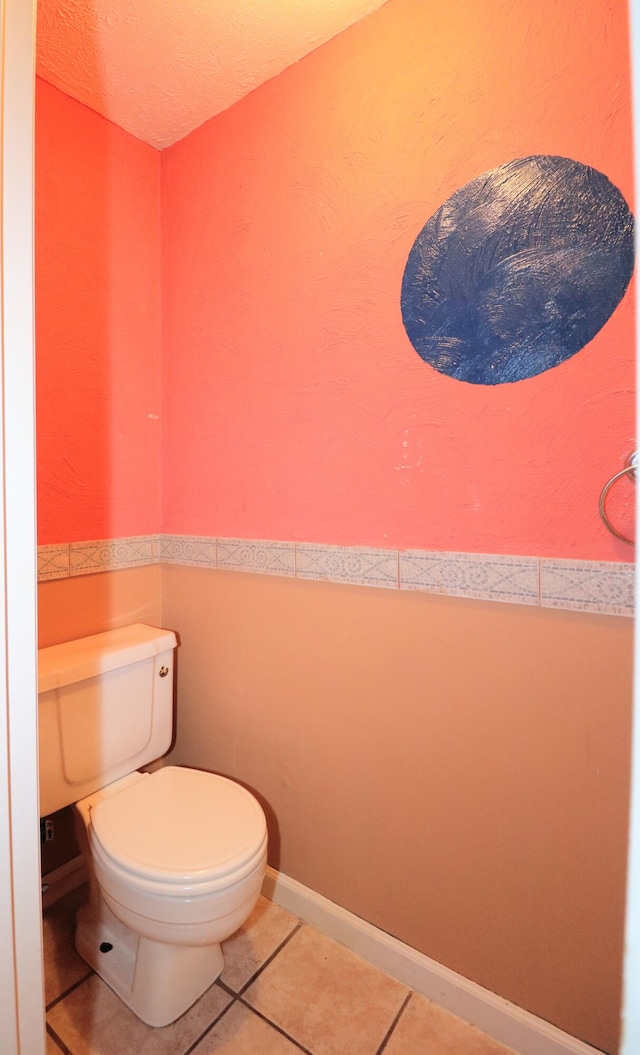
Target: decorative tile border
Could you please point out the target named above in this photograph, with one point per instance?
(262, 558)
(195, 550)
(594, 587)
(53, 562)
(603, 587)
(487, 578)
(353, 564)
(87, 558)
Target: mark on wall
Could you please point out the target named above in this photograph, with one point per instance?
(517, 270)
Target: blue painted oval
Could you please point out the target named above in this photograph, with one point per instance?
(517, 270)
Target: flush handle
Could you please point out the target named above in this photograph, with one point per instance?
(163, 672)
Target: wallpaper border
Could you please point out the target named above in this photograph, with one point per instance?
(602, 587)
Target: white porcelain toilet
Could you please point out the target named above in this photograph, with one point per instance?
(176, 858)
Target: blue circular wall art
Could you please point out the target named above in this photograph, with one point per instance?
(518, 270)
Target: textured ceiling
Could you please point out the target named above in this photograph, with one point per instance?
(160, 68)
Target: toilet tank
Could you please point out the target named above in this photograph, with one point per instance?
(105, 708)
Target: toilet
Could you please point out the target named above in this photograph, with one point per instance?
(175, 857)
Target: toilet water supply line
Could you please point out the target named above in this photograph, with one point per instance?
(629, 470)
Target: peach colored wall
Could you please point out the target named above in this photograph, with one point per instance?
(98, 325)
(455, 772)
(89, 604)
(295, 406)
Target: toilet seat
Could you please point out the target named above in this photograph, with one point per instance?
(179, 833)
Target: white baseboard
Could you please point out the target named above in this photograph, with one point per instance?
(510, 1025)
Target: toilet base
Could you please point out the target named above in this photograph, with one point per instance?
(158, 982)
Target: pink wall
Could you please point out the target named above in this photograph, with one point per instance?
(98, 325)
(295, 406)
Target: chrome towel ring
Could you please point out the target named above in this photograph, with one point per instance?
(633, 462)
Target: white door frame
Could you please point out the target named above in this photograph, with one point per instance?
(22, 1029)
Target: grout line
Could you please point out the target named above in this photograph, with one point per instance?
(393, 1025)
(269, 959)
(226, 988)
(215, 1021)
(56, 1039)
(71, 988)
(274, 1025)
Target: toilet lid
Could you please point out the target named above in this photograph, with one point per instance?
(180, 824)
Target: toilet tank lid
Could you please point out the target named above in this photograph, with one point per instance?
(88, 657)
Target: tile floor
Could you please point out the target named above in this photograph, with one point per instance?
(285, 989)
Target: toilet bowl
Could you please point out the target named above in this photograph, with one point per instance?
(176, 857)
(176, 861)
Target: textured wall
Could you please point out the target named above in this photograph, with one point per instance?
(295, 405)
(97, 325)
(159, 68)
